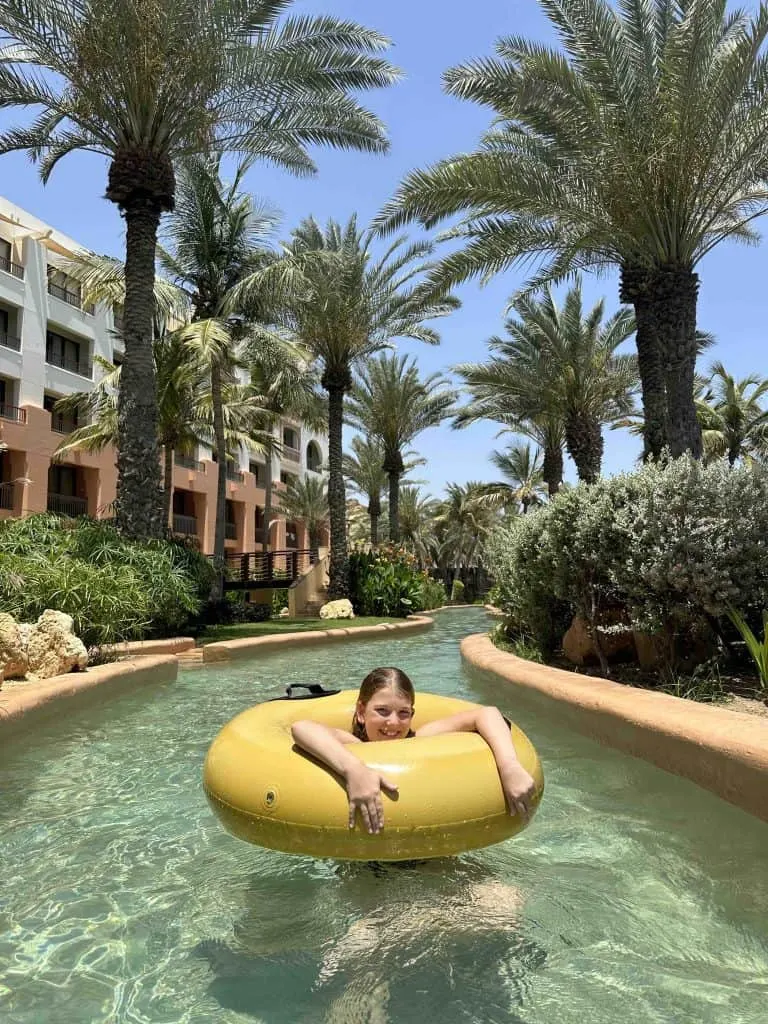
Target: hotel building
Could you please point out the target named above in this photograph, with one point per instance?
(48, 340)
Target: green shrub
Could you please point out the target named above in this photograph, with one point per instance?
(457, 591)
(433, 593)
(233, 609)
(671, 546)
(114, 589)
(279, 600)
(385, 581)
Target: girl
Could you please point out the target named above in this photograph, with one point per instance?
(384, 711)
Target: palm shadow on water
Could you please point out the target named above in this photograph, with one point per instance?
(375, 944)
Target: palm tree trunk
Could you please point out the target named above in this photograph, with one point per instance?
(552, 469)
(374, 527)
(338, 585)
(219, 534)
(584, 441)
(394, 506)
(139, 501)
(636, 289)
(167, 485)
(675, 294)
(267, 498)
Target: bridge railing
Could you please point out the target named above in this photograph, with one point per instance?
(267, 568)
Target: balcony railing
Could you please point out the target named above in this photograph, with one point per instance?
(230, 531)
(63, 505)
(61, 424)
(71, 298)
(188, 462)
(235, 475)
(79, 366)
(6, 496)
(291, 454)
(8, 341)
(11, 268)
(185, 525)
(13, 412)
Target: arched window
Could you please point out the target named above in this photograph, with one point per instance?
(314, 457)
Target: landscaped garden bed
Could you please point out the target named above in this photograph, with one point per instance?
(657, 579)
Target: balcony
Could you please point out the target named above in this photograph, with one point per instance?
(6, 496)
(235, 475)
(63, 505)
(13, 412)
(185, 525)
(230, 531)
(61, 424)
(11, 268)
(8, 341)
(71, 298)
(188, 462)
(291, 454)
(79, 366)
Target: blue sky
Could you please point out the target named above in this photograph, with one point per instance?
(425, 125)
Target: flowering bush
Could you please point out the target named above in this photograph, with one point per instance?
(673, 546)
(385, 581)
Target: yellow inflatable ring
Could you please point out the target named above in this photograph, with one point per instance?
(266, 791)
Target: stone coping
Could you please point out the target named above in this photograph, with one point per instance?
(247, 647)
(21, 701)
(723, 751)
(170, 645)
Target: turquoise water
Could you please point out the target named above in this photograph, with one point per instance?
(633, 898)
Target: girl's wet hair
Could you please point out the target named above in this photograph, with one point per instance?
(380, 679)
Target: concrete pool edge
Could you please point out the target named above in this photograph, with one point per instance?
(21, 703)
(723, 751)
(227, 650)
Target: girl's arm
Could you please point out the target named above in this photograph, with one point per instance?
(517, 784)
(363, 784)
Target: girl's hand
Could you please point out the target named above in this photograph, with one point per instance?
(364, 786)
(519, 788)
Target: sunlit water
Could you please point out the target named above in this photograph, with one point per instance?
(633, 898)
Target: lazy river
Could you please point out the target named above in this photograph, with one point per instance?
(633, 897)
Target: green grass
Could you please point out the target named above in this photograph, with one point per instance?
(243, 629)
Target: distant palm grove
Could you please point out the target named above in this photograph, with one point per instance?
(637, 145)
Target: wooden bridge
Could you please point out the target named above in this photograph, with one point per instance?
(266, 570)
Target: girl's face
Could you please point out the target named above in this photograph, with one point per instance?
(386, 716)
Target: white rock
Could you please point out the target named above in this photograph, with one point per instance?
(13, 653)
(341, 609)
(52, 647)
(283, 613)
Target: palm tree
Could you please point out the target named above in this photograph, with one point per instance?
(363, 469)
(391, 402)
(640, 143)
(145, 84)
(216, 237)
(288, 385)
(185, 417)
(733, 422)
(346, 303)
(307, 500)
(417, 523)
(546, 431)
(560, 363)
(463, 525)
(523, 483)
